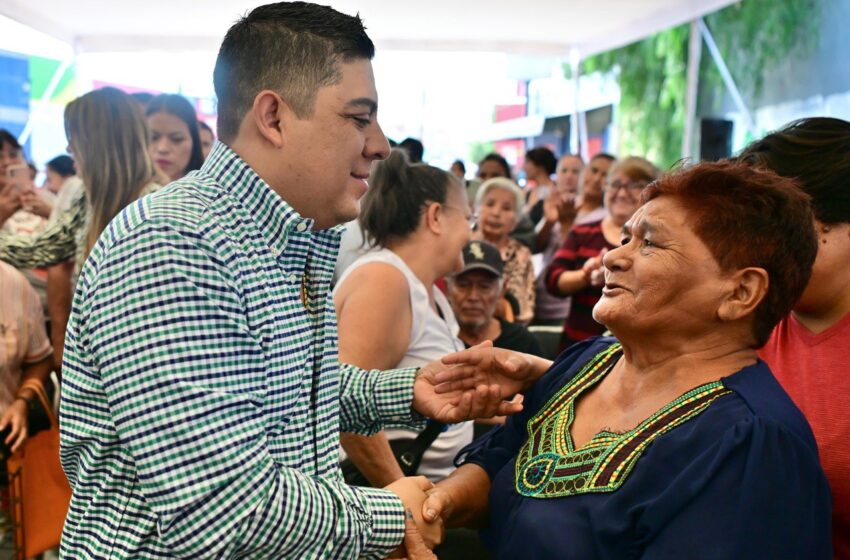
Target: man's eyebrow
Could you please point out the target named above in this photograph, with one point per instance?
(364, 102)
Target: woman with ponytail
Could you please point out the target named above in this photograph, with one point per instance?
(390, 314)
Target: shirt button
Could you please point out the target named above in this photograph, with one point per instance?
(301, 226)
(293, 278)
(274, 252)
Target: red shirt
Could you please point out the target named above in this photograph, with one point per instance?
(584, 242)
(815, 371)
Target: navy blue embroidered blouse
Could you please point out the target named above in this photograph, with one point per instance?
(728, 470)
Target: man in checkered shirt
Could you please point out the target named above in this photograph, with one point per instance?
(202, 398)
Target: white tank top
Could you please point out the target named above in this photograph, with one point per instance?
(431, 338)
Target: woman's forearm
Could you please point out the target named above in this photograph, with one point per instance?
(466, 495)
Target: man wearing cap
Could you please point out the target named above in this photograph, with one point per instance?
(474, 294)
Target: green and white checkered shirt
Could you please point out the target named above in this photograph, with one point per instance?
(201, 402)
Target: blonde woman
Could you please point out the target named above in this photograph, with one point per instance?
(108, 138)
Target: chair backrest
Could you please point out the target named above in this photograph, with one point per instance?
(549, 339)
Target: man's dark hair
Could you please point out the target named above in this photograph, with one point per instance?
(292, 48)
(816, 153)
(414, 148)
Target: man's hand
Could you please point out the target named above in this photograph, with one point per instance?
(414, 547)
(411, 491)
(459, 401)
(484, 365)
(438, 505)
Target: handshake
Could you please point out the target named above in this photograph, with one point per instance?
(422, 531)
(470, 384)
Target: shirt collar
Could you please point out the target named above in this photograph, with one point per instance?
(277, 221)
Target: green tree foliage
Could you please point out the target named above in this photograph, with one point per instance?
(477, 150)
(753, 36)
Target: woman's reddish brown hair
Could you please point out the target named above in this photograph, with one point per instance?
(749, 218)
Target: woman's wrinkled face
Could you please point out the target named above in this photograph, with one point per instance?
(662, 276)
(622, 196)
(497, 214)
(171, 144)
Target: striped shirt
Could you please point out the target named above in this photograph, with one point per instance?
(584, 242)
(202, 401)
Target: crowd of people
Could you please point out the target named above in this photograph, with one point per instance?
(258, 356)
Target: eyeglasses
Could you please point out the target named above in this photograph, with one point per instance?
(633, 187)
(472, 219)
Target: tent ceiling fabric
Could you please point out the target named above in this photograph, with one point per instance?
(546, 27)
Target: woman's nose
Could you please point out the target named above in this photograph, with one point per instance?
(616, 259)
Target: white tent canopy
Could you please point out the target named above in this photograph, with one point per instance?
(545, 27)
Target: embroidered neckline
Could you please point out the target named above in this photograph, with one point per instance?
(548, 466)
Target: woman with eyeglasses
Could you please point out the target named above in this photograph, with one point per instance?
(577, 269)
(389, 312)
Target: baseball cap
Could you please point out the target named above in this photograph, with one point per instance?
(480, 255)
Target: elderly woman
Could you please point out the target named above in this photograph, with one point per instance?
(672, 440)
(499, 203)
(576, 269)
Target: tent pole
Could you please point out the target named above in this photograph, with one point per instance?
(694, 56)
(727, 76)
(48, 92)
(578, 124)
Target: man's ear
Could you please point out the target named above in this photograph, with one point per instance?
(749, 288)
(271, 116)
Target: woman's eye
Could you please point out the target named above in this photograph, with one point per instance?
(648, 243)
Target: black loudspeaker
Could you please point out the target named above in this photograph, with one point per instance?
(715, 139)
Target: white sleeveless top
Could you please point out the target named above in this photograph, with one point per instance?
(431, 338)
